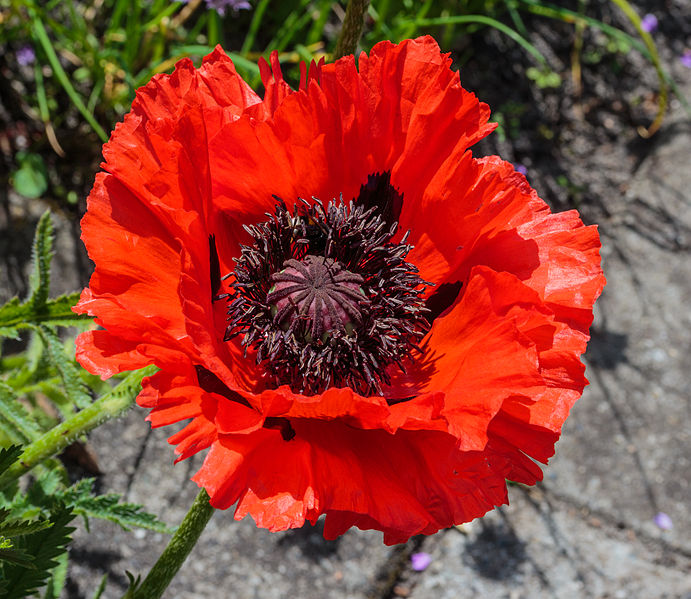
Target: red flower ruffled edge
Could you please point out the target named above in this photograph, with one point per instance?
(507, 350)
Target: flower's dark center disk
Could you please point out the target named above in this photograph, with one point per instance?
(325, 299)
(320, 290)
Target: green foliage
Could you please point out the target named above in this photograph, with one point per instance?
(31, 178)
(543, 78)
(108, 507)
(38, 309)
(41, 254)
(43, 548)
(45, 403)
(8, 456)
(15, 417)
(74, 387)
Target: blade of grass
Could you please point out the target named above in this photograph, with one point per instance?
(42, 37)
(254, 26)
(292, 26)
(214, 28)
(409, 29)
(166, 12)
(516, 17)
(317, 30)
(483, 20)
(44, 112)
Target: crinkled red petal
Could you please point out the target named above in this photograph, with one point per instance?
(201, 155)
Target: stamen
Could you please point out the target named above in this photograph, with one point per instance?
(325, 299)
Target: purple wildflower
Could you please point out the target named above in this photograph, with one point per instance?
(420, 561)
(520, 168)
(686, 59)
(26, 55)
(663, 521)
(649, 23)
(220, 6)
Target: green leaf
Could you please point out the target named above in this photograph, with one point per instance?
(107, 507)
(57, 579)
(31, 178)
(135, 583)
(16, 415)
(101, 587)
(9, 455)
(19, 528)
(44, 547)
(41, 254)
(16, 556)
(58, 311)
(72, 382)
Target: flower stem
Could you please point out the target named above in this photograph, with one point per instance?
(173, 556)
(352, 28)
(111, 405)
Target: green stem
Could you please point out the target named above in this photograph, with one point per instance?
(111, 405)
(173, 556)
(352, 28)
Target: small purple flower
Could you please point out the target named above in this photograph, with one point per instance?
(26, 55)
(520, 168)
(663, 521)
(220, 6)
(686, 59)
(420, 561)
(649, 23)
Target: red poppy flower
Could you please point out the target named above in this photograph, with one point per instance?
(401, 324)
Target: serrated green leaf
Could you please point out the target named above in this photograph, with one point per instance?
(51, 480)
(42, 254)
(71, 381)
(107, 507)
(15, 316)
(16, 556)
(19, 528)
(17, 416)
(8, 456)
(43, 547)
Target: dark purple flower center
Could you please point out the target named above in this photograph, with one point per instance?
(325, 298)
(320, 290)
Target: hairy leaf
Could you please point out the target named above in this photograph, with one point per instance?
(19, 528)
(42, 253)
(15, 315)
(108, 507)
(74, 386)
(16, 415)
